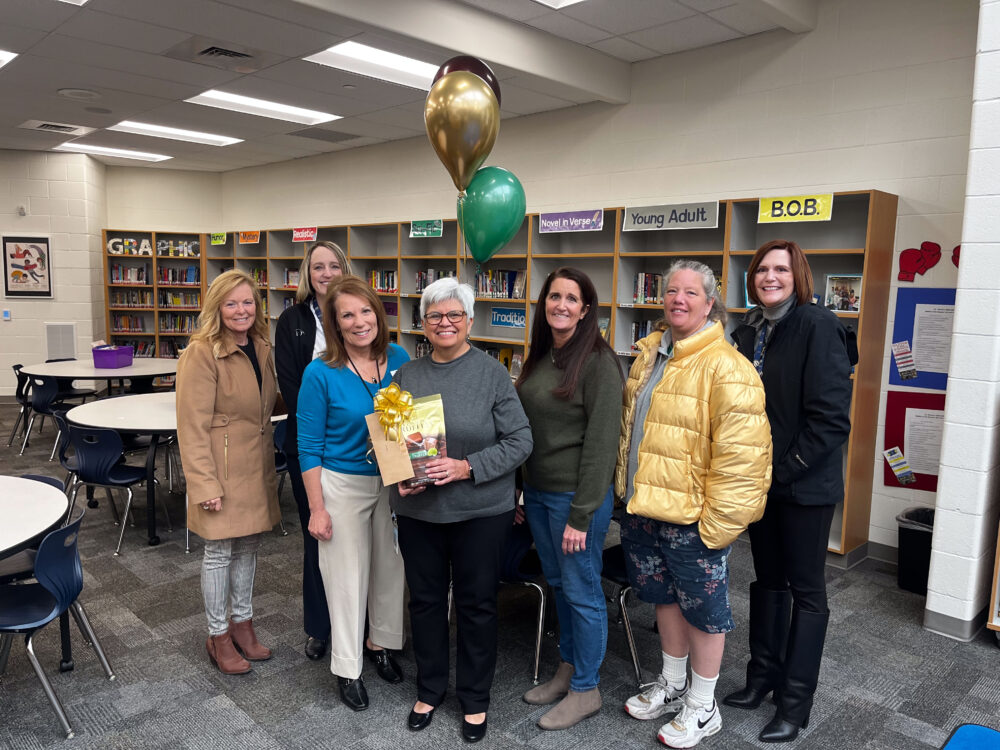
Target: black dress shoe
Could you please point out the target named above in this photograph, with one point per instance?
(353, 693)
(385, 665)
(473, 732)
(418, 721)
(315, 648)
(781, 730)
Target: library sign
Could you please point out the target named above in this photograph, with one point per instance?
(427, 228)
(507, 317)
(304, 234)
(673, 216)
(795, 208)
(571, 221)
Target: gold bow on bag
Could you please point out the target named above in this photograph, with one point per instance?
(393, 405)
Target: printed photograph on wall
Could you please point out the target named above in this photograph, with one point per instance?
(843, 293)
(27, 268)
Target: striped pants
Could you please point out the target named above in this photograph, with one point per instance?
(227, 572)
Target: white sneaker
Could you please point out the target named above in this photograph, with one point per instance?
(691, 725)
(656, 700)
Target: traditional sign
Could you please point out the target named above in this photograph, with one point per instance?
(795, 208)
(507, 317)
(427, 228)
(571, 221)
(672, 216)
(218, 238)
(249, 238)
(304, 234)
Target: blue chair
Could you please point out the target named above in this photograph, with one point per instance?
(44, 399)
(98, 464)
(23, 397)
(28, 607)
(66, 389)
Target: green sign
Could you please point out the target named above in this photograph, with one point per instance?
(218, 238)
(428, 228)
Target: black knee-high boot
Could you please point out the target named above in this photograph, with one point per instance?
(769, 610)
(795, 695)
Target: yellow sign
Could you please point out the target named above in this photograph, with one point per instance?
(218, 238)
(249, 238)
(795, 208)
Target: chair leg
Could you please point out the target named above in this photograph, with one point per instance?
(55, 446)
(170, 472)
(72, 498)
(540, 630)
(27, 433)
(17, 422)
(628, 633)
(166, 513)
(114, 508)
(187, 529)
(47, 687)
(5, 640)
(83, 622)
(121, 535)
(41, 425)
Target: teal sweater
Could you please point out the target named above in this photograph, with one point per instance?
(576, 440)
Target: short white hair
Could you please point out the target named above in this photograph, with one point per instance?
(447, 289)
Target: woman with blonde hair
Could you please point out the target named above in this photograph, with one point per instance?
(298, 340)
(226, 388)
(348, 505)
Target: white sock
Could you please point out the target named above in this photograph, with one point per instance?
(702, 690)
(675, 670)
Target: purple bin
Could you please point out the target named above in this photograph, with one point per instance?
(112, 357)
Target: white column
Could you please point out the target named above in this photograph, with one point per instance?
(965, 524)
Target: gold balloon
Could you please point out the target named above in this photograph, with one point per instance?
(462, 118)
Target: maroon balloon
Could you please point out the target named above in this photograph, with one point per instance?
(473, 65)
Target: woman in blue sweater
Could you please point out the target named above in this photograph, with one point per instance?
(349, 511)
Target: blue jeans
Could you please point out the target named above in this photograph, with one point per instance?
(575, 579)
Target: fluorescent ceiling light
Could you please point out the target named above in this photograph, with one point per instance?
(558, 4)
(74, 2)
(6, 57)
(261, 107)
(377, 63)
(176, 134)
(84, 148)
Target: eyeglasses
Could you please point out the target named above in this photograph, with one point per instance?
(454, 316)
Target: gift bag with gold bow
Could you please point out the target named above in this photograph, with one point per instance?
(392, 406)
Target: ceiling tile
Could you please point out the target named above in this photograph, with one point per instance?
(617, 17)
(121, 32)
(311, 77)
(623, 49)
(742, 19)
(372, 125)
(568, 28)
(517, 10)
(704, 6)
(36, 14)
(688, 33)
(522, 101)
(19, 39)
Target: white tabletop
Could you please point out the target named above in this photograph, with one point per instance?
(83, 369)
(27, 508)
(141, 412)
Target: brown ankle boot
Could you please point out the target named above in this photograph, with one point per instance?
(223, 655)
(246, 641)
(553, 690)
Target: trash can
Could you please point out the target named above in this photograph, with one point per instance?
(916, 526)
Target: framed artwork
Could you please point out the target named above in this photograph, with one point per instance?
(27, 267)
(843, 293)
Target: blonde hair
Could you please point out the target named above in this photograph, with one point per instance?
(305, 290)
(210, 328)
(336, 354)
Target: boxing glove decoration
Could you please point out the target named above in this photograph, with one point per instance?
(955, 253)
(913, 261)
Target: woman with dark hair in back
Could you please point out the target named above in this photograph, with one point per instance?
(570, 389)
(298, 340)
(800, 350)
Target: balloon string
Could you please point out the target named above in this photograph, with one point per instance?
(461, 224)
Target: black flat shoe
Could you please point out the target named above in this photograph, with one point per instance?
(315, 648)
(473, 732)
(418, 721)
(353, 693)
(387, 667)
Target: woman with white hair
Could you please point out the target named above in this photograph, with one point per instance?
(454, 530)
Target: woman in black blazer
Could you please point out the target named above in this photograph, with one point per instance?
(298, 341)
(800, 350)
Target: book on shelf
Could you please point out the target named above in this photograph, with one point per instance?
(506, 355)
(125, 323)
(422, 348)
(291, 277)
(516, 363)
(423, 278)
(140, 349)
(259, 275)
(640, 330)
(648, 289)
(500, 284)
(130, 298)
(383, 280)
(287, 302)
(129, 274)
(603, 324)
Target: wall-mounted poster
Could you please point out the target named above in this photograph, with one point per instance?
(27, 267)
(922, 326)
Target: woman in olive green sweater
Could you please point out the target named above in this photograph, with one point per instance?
(570, 388)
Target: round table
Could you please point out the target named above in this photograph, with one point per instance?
(83, 369)
(28, 511)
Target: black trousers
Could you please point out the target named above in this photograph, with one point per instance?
(789, 551)
(468, 554)
(315, 614)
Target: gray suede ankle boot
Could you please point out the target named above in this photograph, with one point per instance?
(553, 690)
(572, 709)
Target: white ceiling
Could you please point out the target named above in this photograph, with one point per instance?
(544, 60)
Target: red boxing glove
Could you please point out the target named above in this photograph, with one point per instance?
(955, 253)
(931, 251)
(911, 262)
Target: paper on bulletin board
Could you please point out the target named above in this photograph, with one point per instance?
(924, 318)
(913, 424)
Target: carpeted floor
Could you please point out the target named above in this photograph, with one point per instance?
(886, 683)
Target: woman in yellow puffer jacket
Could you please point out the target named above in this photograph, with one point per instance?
(694, 463)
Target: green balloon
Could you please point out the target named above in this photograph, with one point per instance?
(491, 212)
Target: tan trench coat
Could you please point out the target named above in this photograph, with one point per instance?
(225, 436)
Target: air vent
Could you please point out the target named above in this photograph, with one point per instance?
(62, 128)
(222, 52)
(330, 136)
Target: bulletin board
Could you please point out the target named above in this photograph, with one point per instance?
(923, 414)
(914, 305)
